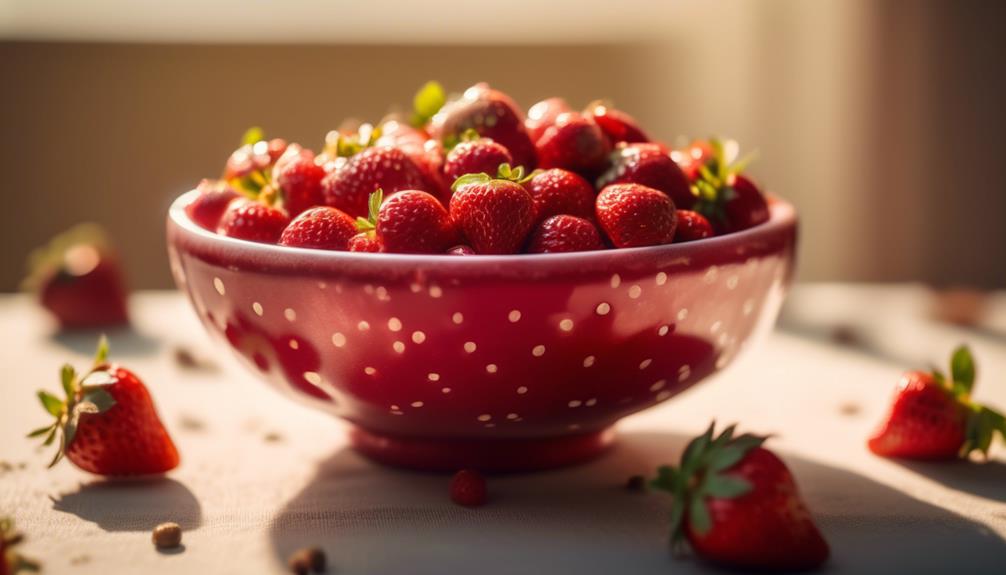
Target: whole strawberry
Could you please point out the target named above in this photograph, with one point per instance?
(543, 114)
(737, 504)
(558, 191)
(468, 488)
(729, 200)
(107, 424)
(248, 168)
(253, 221)
(564, 233)
(633, 215)
(575, 143)
(693, 157)
(692, 226)
(322, 228)
(209, 206)
(409, 222)
(365, 242)
(616, 124)
(934, 418)
(352, 182)
(12, 562)
(480, 155)
(493, 115)
(495, 215)
(428, 154)
(298, 180)
(78, 279)
(651, 166)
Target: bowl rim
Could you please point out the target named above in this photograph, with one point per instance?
(782, 216)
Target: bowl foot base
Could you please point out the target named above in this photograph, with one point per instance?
(488, 455)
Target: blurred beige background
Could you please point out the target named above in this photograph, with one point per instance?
(882, 121)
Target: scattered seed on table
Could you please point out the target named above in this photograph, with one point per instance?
(307, 560)
(636, 483)
(167, 535)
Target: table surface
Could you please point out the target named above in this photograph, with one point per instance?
(262, 476)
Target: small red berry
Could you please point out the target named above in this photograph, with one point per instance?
(468, 488)
(616, 124)
(633, 215)
(494, 215)
(543, 114)
(351, 182)
(253, 221)
(574, 143)
(211, 203)
(415, 222)
(651, 166)
(476, 156)
(564, 233)
(692, 226)
(364, 242)
(299, 180)
(321, 228)
(559, 191)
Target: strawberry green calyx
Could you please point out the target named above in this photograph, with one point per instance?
(699, 477)
(427, 102)
(714, 187)
(451, 141)
(504, 172)
(368, 225)
(982, 422)
(338, 144)
(10, 560)
(83, 395)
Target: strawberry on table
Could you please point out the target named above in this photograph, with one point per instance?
(78, 279)
(728, 199)
(564, 233)
(254, 221)
(574, 142)
(651, 166)
(468, 488)
(322, 228)
(475, 155)
(559, 191)
(616, 124)
(542, 115)
(349, 186)
(107, 424)
(737, 504)
(409, 222)
(692, 226)
(633, 215)
(932, 417)
(211, 203)
(495, 215)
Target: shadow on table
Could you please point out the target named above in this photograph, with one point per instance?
(580, 519)
(124, 342)
(986, 480)
(132, 505)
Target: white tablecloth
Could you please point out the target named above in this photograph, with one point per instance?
(262, 476)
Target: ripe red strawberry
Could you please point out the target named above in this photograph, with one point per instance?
(616, 124)
(559, 191)
(298, 179)
(575, 143)
(253, 221)
(737, 505)
(692, 226)
(633, 215)
(564, 233)
(468, 488)
(12, 562)
(248, 169)
(211, 203)
(542, 115)
(352, 182)
(79, 280)
(426, 153)
(693, 157)
(730, 201)
(493, 115)
(409, 222)
(107, 424)
(933, 418)
(322, 228)
(494, 214)
(649, 165)
(365, 242)
(477, 156)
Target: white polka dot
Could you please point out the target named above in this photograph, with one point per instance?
(435, 291)
(418, 337)
(645, 363)
(289, 314)
(514, 316)
(732, 282)
(663, 330)
(566, 325)
(663, 395)
(491, 368)
(338, 340)
(748, 307)
(490, 425)
(294, 344)
(682, 314)
(616, 280)
(588, 361)
(521, 390)
(257, 308)
(218, 284)
(433, 376)
(661, 278)
(457, 318)
(363, 326)
(484, 417)
(395, 324)
(591, 402)
(415, 288)
(368, 289)
(635, 291)
(603, 308)
(382, 293)
(684, 372)
(538, 350)
(658, 385)
(445, 390)
(312, 377)
(722, 361)
(575, 403)
(512, 416)
(711, 274)
(369, 370)
(398, 346)
(417, 404)
(322, 285)
(722, 339)
(715, 327)
(470, 346)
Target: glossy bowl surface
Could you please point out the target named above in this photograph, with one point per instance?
(493, 362)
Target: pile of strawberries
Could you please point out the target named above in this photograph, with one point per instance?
(474, 175)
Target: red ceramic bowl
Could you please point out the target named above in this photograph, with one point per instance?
(490, 362)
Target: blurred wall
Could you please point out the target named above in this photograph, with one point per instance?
(882, 121)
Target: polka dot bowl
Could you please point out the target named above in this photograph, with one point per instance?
(493, 362)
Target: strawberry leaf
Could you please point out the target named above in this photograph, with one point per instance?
(52, 435)
(68, 377)
(469, 179)
(698, 515)
(427, 102)
(51, 403)
(41, 431)
(725, 486)
(252, 135)
(59, 452)
(962, 370)
(101, 355)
